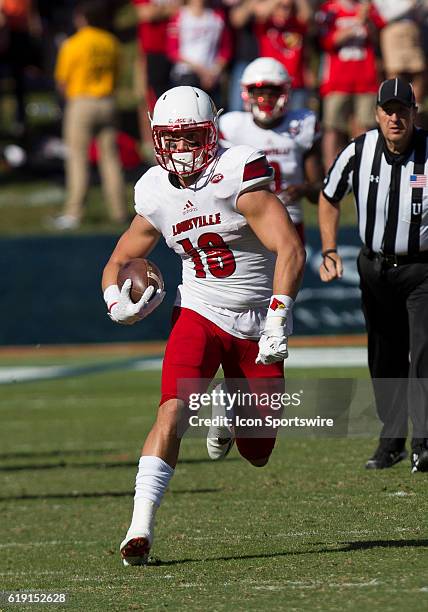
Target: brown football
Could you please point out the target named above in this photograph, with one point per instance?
(142, 273)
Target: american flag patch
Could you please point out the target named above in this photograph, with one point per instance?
(418, 180)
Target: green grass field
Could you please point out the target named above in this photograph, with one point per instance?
(27, 206)
(311, 531)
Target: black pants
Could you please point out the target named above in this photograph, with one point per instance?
(158, 73)
(395, 306)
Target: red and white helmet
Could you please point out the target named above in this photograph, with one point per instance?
(180, 110)
(265, 73)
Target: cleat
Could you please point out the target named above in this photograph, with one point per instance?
(384, 458)
(220, 438)
(135, 550)
(219, 442)
(420, 460)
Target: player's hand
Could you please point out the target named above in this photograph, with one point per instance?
(273, 343)
(124, 311)
(331, 267)
(273, 346)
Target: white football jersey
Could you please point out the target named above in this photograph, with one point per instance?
(284, 147)
(227, 272)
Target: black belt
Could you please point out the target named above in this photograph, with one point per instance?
(395, 260)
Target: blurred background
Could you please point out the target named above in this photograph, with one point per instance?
(51, 288)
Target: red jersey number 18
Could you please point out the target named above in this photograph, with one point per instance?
(220, 260)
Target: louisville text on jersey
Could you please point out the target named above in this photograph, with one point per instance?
(195, 222)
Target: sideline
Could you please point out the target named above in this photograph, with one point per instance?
(156, 348)
(316, 357)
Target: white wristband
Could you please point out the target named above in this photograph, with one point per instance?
(279, 305)
(280, 309)
(111, 295)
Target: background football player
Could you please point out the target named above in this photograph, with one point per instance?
(242, 266)
(289, 139)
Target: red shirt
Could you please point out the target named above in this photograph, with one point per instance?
(151, 35)
(350, 68)
(17, 13)
(285, 44)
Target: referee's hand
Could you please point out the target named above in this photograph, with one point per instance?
(331, 267)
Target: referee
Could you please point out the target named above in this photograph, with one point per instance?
(387, 170)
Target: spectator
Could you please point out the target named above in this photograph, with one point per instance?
(141, 89)
(153, 66)
(86, 73)
(199, 45)
(281, 28)
(349, 79)
(21, 25)
(241, 18)
(153, 16)
(401, 43)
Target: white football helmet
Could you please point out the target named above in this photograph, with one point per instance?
(265, 85)
(180, 110)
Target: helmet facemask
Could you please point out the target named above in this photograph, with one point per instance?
(266, 101)
(200, 138)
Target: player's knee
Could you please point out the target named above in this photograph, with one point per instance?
(258, 462)
(169, 414)
(255, 451)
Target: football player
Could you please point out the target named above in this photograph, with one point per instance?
(289, 139)
(242, 266)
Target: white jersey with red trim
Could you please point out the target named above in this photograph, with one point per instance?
(227, 272)
(284, 146)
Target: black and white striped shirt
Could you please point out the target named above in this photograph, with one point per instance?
(390, 191)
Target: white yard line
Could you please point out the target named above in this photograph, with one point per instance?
(318, 357)
(30, 544)
(328, 357)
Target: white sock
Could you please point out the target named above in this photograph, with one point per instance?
(151, 483)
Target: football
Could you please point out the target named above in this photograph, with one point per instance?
(142, 273)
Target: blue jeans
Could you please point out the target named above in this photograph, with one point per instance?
(234, 99)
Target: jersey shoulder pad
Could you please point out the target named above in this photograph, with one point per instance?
(241, 169)
(257, 172)
(236, 160)
(250, 167)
